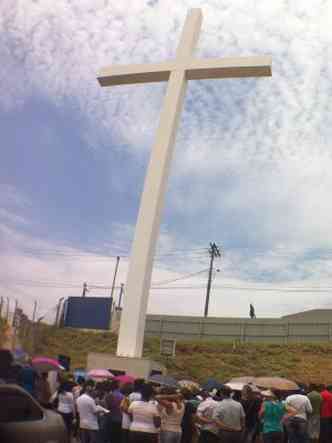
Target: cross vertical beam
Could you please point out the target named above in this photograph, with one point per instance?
(131, 334)
(185, 67)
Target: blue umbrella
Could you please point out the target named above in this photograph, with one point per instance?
(20, 355)
(211, 384)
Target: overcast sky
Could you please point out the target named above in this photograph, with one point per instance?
(251, 171)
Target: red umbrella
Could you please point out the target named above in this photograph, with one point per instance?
(125, 378)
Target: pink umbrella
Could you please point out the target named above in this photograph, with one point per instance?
(125, 378)
(45, 364)
(100, 374)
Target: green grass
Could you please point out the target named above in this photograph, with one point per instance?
(197, 360)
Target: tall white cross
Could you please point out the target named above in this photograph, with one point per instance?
(177, 73)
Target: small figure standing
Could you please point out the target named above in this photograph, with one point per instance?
(252, 311)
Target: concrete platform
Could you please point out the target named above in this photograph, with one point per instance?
(139, 367)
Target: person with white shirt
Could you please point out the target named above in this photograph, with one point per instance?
(63, 400)
(297, 425)
(131, 394)
(145, 418)
(209, 430)
(88, 412)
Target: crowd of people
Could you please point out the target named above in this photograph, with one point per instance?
(142, 412)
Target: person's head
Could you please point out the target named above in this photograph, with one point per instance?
(313, 387)
(165, 390)
(147, 391)
(247, 392)
(269, 395)
(138, 383)
(114, 385)
(6, 358)
(186, 394)
(88, 387)
(205, 394)
(127, 389)
(80, 380)
(63, 388)
(225, 391)
(329, 388)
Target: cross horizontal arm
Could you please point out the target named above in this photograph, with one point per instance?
(229, 67)
(130, 74)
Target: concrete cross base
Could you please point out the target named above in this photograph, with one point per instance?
(138, 367)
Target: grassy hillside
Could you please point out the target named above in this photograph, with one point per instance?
(198, 360)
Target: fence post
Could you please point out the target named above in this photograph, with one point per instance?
(243, 333)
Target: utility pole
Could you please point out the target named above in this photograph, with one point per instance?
(85, 289)
(1, 306)
(120, 295)
(214, 252)
(114, 277)
(34, 312)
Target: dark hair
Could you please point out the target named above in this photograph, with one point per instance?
(138, 383)
(225, 391)
(277, 393)
(80, 380)
(127, 389)
(146, 391)
(6, 358)
(187, 394)
(167, 390)
(114, 385)
(64, 387)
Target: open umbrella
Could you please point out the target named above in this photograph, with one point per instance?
(164, 380)
(190, 385)
(99, 374)
(247, 379)
(211, 384)
(282, 384)
(238, 386)
(125, 379)
(20, 355)
(45, 364)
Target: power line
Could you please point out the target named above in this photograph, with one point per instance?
(179, 278)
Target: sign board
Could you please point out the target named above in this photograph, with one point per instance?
(88, 312)
(167, 347)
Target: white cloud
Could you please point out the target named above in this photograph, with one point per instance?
(256, 151)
